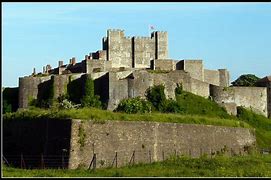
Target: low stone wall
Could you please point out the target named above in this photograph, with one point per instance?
(149, 141)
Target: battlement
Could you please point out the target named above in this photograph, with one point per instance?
(116, 30)
(143, 38)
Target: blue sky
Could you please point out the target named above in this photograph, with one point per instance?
(235, 36)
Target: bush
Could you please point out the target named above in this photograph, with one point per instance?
(179, 89)
(90, 99)
(6, 107)
(66, 104)
(170, 106)
(134, 105)
(156, 96)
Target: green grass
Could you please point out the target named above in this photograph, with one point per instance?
(193, 104)
(219, 166)
(261, 124)
(102, 115)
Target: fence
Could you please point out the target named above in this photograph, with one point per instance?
(62, 161)
(37, 161)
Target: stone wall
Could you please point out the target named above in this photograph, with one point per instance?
(249, 97)
(119, 49)
(135, 83)
(144, 51)
(97, 65)
(165, 64)
(28, 89)
(212, 77)
(161, 45)
(151, 141)
(224, 77)
(194, 67)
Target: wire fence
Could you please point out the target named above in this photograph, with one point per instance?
(37, 161)
(62, 161)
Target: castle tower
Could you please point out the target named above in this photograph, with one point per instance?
(161, 45)
(119, 48)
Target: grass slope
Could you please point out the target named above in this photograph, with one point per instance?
(103, 115)
(193, 104)
(219, 166)
(261, 124)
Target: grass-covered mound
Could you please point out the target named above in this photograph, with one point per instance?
(190, 103)
(219, 166)
(103, 115)
(261, 123)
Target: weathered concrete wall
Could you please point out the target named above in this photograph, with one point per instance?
(150, 141)
(250, 97)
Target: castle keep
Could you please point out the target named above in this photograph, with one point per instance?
(125, 67)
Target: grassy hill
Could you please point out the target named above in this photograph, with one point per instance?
(193, 110)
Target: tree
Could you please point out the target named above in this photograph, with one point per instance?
(90, 99)
(246, 80)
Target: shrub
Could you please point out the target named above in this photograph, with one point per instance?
(6, 107)
(90, 99)
(66, 104)
(156, 96)
(179, 89)
(170, 106)
(134, 105)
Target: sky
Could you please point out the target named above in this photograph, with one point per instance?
(234, 36)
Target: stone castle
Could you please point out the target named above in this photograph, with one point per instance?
(127, 66)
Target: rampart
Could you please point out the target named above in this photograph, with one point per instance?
(150, 141)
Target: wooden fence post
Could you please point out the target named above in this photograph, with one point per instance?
(150, 155)
(22, 161)
(42, 161)
(132, 158)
